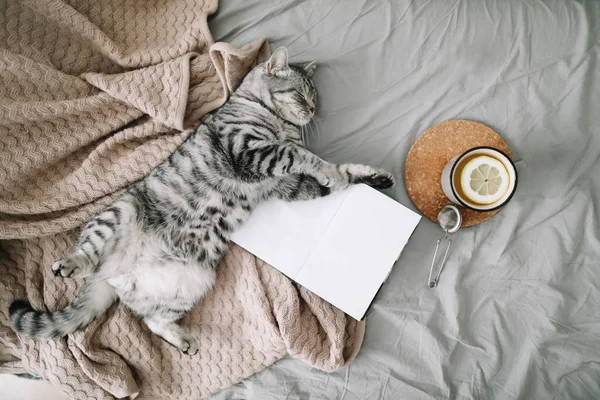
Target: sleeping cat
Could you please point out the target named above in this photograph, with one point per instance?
(156, 247)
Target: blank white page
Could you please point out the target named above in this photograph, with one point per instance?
(341, 247)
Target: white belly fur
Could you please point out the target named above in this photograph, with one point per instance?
(140, 268)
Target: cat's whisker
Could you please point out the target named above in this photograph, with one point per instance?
(320, 121)
(312, 131)
(303, 135)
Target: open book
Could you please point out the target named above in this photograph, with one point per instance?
(341, 247)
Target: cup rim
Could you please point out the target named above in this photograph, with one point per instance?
(462, 203)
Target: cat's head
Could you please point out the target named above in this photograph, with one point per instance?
(287, 88)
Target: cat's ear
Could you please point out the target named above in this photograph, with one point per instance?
(310, 68)
(278, 61)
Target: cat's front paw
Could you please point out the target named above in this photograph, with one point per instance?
(379, 180)
(327, 177)
(324, 180)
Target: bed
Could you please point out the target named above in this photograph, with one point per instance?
(516, 312)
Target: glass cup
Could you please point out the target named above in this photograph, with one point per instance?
(456, 173)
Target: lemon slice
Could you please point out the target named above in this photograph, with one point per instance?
(484, 180)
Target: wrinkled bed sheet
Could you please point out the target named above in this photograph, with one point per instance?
(517, 312)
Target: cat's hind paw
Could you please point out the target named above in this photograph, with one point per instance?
(189, 345)
(67, 267)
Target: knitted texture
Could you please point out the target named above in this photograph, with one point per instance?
(93, 95)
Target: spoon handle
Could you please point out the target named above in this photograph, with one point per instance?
(433, 282)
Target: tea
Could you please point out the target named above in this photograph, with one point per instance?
(481, 179)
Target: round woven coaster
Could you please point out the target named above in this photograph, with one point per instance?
(430, 153)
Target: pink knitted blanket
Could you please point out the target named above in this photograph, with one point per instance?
(93, 95)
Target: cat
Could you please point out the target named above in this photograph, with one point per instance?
(157, 246)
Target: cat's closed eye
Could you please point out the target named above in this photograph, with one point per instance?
(305, 100)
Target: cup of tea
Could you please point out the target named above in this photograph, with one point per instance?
(481, 179)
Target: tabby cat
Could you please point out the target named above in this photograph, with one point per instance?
(156, 247)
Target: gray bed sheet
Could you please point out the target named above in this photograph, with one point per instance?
(517, 311)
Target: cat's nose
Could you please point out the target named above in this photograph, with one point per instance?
(311, 109)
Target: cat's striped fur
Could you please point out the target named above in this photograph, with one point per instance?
(156, 247)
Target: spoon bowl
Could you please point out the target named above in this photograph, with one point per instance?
(449, 219)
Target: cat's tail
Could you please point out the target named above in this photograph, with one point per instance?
(95, 299)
